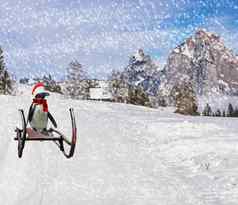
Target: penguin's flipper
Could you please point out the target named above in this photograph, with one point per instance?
(52, 120)
(30, 113)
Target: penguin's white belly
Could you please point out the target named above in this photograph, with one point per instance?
(39, 119)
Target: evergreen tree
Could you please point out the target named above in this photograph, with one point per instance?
(137, 96)
(138, 83)
(230, 110)
(51, 85)
(77, 84)
(2, 64)
(207, 110)
(218, 113)
(142, 78)
(6, 83)
(224, 113)
(186, 101)
(24, 81)
(118, 86)
(162, 102)
(235, 114)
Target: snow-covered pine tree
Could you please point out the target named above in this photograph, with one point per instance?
(218, 113)
(137, 96)
(6, 83)
(143, 79)
(230, 110)
(118, 86)
(24, 80)
(185, 98)
(51, 85)
(207, 110)
(224, 113)
(162, 101)
(235, 114)
(77, 85)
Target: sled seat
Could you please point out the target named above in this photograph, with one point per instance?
(34, 135)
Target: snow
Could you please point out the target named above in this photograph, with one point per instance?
(138, 56)
(176, 50)
(125, 154)
(187, 52)
(140, 80)
(225, 84)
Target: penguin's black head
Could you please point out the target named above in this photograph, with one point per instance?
(42, 95)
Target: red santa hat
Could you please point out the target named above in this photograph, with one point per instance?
(38, 88)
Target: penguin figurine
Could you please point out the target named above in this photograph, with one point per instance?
(38, 114)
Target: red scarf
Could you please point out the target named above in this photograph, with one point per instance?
(40, 101)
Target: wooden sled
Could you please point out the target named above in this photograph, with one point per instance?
(67, 147)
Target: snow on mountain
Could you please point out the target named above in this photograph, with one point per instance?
(125, 155)
(204, 60)
(139, 55)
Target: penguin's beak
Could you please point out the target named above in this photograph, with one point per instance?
(45, 94)
(42, 95)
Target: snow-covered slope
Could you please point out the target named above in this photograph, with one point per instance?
(125, 155)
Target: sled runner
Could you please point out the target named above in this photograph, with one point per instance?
(67, 146)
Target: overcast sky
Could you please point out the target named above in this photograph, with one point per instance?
(43, 36)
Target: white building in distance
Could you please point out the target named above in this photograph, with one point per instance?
(100, 91)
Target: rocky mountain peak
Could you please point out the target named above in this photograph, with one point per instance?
(204, 60)
(207, 36)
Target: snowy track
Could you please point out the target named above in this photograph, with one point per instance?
(124, 155)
